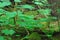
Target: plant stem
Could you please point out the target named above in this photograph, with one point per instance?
(27, 31)
(15, 18)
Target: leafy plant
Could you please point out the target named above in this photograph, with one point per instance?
(8, 32)
(26, 19)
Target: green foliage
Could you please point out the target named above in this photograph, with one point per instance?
(3, 4)
(26, 19)
(34, 36)
(8, 32)
(17, 0)
(45, 11)
(2, 38)
(44, 19)
(58, 10)
(41, 2)
(10, 14)
(27, 6)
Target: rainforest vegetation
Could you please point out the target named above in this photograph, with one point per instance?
(29, 19)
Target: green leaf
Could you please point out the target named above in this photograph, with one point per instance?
(11, 32)
(17, 0)
(26, 6)
(58, 10)
(2, 11)
(44, 11)
(44, 1)
(34, 36)
(11, 21)
(3, 18)
(36, 0)
(44, 20)
(2, 38)
(8, 32)
(3, 4)
(5, 0)
(11, 14)
(39, 3)
(19, 13)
